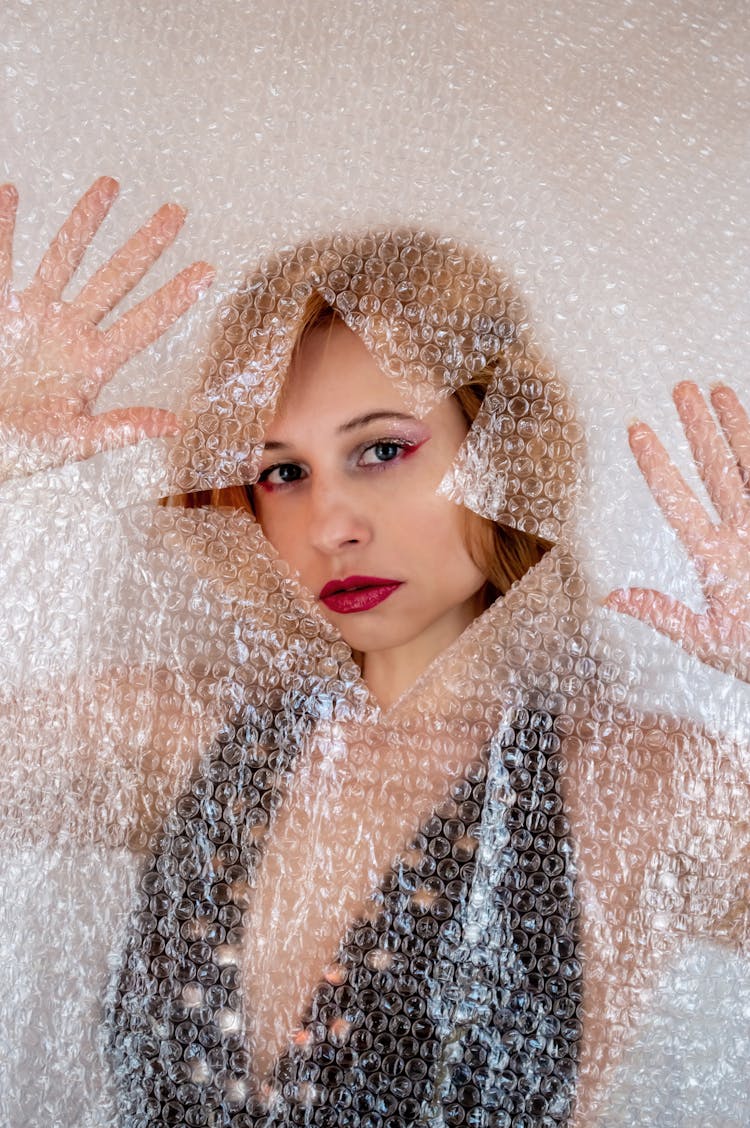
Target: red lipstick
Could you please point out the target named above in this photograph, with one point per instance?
(357, 593)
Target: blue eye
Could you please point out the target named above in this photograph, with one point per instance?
(386, 450)
(282, 474)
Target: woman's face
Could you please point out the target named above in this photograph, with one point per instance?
(347, 496)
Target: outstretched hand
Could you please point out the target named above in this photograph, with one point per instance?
(54, 358)
(720, 635)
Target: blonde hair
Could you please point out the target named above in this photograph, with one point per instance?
(501, 553)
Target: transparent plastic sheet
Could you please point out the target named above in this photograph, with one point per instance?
(555, 811)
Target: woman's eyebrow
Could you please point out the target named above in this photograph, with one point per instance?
(351, 425)
(372, 417)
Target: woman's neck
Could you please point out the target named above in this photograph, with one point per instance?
(388, 674)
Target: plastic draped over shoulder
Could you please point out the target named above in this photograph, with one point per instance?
(459, 910)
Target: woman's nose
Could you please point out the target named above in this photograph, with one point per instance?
(336, 521)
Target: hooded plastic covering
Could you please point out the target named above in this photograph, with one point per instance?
(429, 880)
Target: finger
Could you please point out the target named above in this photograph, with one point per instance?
(715, 463)
(735, 425)
(72, 240)
(8, 206)
(662, 612)
(146, 322)
(674, 497)
(125, 269)
(124, 427)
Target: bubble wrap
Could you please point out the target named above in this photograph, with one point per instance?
(238, 889)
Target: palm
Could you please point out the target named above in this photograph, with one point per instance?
(55, 358)
(722, 632)
(48, 352)
(720, 635)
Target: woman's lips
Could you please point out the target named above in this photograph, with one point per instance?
(357, 593)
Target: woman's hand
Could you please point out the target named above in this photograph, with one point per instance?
(54, 358)
(720, 636)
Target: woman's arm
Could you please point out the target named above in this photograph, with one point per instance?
(668, 859)
(91, 754)
(707, 784)
(55, 358)
(659, 812)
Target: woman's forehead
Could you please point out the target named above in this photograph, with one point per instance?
(334, 377)
(336, 389)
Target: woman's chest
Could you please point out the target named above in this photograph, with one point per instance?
(329, 859)
(467, 950)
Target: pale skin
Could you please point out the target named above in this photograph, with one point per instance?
(362, 500)
(340, 521)
(340, 499)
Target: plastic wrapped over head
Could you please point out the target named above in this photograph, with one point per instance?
(437, 316)
(441, 320)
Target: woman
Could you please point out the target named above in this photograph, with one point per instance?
(441, 784)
